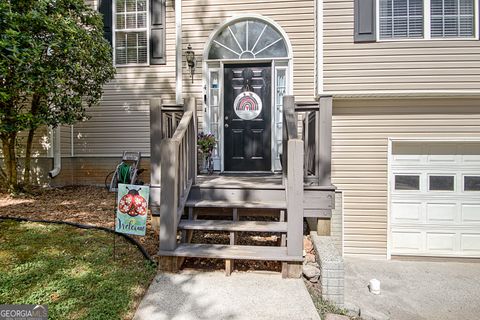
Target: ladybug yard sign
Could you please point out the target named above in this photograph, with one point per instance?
(132, 208)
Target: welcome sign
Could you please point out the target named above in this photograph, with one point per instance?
(132, 208)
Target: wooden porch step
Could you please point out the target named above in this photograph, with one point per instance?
(229, 225)
(219, 251)
(236, 204)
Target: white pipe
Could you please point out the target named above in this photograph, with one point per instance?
(57, 156)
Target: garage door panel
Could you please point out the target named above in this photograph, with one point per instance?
(441, 212)
(440, 241)
(470, 242)
(406, 241)
(471, 159)
(406, 212)
(471, 213)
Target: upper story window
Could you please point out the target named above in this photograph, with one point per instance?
(426, 19)
(130, 36)
(401, 19)
(452, 18)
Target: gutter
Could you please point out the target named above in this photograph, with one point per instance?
(57, 157)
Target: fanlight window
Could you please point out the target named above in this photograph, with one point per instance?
(248, 39)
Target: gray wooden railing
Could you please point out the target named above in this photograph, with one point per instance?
(292, 166)
(178, 170)
(171, 116)
(164, 120)
(317, 135)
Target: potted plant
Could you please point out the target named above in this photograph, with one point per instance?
(206, 143)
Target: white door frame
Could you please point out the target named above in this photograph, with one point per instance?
(276, 63)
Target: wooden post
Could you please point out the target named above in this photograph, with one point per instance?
(324, 134)
(169, 196)
(155, 158)
(324, 226)
(288, 107)
(294, 191)
(191, 106)
(230, 263)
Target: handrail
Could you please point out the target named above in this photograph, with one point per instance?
(182, 126)
(178, 173)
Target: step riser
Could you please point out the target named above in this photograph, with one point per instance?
(236, 194)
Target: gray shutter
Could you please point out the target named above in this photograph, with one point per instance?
(365, 30)
(157, 32)
(105, 8)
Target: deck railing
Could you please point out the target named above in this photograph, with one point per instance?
(316, 133)
(177, 168)
(171, 117)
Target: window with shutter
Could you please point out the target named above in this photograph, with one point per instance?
(424, 19)
(401, 19)
(130, 34)
(452, 18)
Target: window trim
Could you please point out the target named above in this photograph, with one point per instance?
(427, 25)
(114, 38)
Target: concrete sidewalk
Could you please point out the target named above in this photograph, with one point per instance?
(412, 290)
(212, 295)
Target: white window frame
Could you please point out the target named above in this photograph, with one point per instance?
(427, 25)
(114, 37)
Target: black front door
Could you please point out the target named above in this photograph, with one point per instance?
(247, 112)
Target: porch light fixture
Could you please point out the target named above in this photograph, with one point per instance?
(190, 57)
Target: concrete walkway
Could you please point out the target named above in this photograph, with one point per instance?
(414, 289)
(212, 295)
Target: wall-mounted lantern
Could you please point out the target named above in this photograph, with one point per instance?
(190, 57)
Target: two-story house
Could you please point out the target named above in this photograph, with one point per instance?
(403, 77)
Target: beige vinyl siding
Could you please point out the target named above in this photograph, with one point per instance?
(200, 19)
(361, 129)
(121, 121)
(66, 141)
(393, 66)
(40, 146)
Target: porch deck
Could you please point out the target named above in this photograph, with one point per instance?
(244, 180)
(191, 203)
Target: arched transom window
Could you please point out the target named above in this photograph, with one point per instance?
(248, 39)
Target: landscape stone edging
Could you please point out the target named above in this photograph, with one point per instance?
(332, 269)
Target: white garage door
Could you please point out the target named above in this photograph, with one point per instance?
(435, 199)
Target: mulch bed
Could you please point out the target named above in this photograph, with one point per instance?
(80, 204)
(95, 206)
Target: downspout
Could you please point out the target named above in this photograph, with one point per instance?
(57, 156)
(178, 53)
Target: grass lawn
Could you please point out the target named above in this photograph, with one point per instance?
(71, 270)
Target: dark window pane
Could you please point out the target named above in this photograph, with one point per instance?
(403, 182)
(471, 183)
(442, 183)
